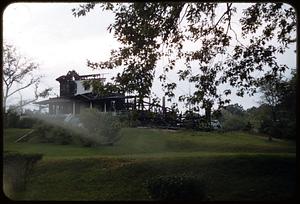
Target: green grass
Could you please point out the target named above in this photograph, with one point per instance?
(235, 165)
(151, 142)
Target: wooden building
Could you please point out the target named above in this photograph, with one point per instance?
(74, 97)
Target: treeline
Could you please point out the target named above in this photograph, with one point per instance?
(275, 117)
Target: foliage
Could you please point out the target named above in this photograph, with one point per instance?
(233, 117)
(100, 88)
(233, 122)
(27, 122)
(62, 136)
(257, 114)
(235, 109)
(50, 133)
(43, 131)
(11, 119)
(268, 127)
(101, 128)
(149, 31)
(178, 187)
(280, 99)
(17, 168)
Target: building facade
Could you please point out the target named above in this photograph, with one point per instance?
(74, 96)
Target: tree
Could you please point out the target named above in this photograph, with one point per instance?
(288, 107)
(273, 91)
(18, 70)
(149, 31)
(280, 96)
(235, 109)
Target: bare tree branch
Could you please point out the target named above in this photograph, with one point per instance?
(16, 69)
(32, 81)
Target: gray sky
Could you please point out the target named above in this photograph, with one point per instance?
(49, 34)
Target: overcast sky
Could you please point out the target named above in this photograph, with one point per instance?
(49, 34)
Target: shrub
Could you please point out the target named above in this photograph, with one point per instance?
(11, 119)
(248, 126)
(50, 133)
(181, 187)
(16, 170)
(276, 129)
(27, 122)
(234, 122)
(43, 132)
(61, 136)
(101, 128)
(133, 118)
(124, 119)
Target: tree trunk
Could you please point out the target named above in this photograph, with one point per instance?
(5, 100)
(208, 114)
(274, 118)
(270, 138)
(4, 105)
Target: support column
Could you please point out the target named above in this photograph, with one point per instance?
(104, 106)
(91, 105)
(74, 106)
(50, 109)
(113, 104)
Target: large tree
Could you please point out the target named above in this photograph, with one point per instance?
(18, 74)
(233, 47)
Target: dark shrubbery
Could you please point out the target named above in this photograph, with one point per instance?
(275, 129)
(61, 136)
(27, 122)
(181, 187)
(50, 133)
(234, 122)
(11, 119)
(133, 119)
(16, 169)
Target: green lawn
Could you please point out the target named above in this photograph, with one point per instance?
(235, 166)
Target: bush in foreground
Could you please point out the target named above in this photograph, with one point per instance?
(16, 169)
(181, 187)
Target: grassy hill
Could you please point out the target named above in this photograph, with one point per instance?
(234, 166)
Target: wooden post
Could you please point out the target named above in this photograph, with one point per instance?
(105, 106)
(91, 105)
